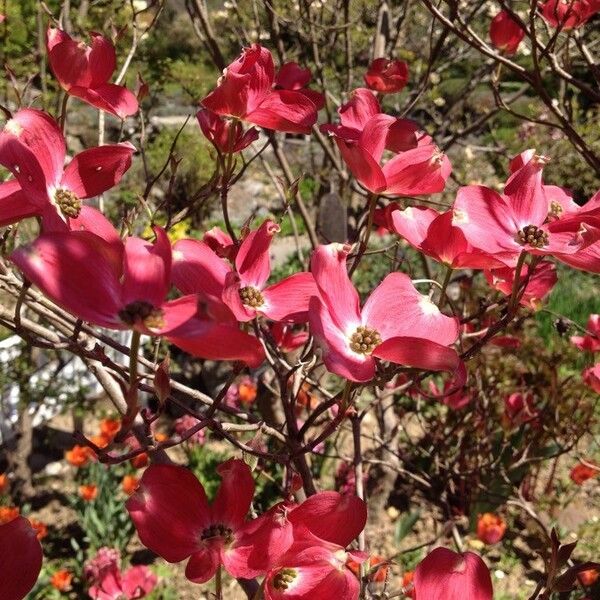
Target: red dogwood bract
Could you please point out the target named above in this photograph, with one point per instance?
(569, 14)
(20, 559)
(246, 91)
(386, 76)
(226, 135)
(84, 72)
(364, 134)
(397, 323)
(590, 342)
(505, 33)
(447, 575)
(32, 147)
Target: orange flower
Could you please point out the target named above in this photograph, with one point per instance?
(8, 514)
(407, 584)
(159, 436)
(3, 483)
(129, 484)
(247, 391)
(589, 576)
(490, 528)
(378, 576)
(140, 461)
(109, 428)
(581, 473)
(88, 492)
(79, 456)
(41, 529)
(61, 580)
(100, 440)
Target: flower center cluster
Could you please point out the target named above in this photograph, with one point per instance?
(284, 577)
(144, 312)
(251, 297)
(555, 209)
(364, 340)
(68, 203)
(217, 530)
(532, 235)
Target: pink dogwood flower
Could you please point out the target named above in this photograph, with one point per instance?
(118, 286)
(434, 234)
(32, 147)
(291, 76)
(505, 225)
(386, 76)
(505, 33)
(226, 135)
(396, 324)
(446, 575)
(364, 134)
(84, 72)
(173, 518)
(246, 92)
(20, 558)
(590, 342)
(569, 14)
(242, 293)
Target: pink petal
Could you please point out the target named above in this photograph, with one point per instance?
(446, 575)
(373, 138)
(328, 266)
(15, 204)
(486, 219)
(288, 299)
(92, 220)
(78, 271)
(291, 76)
(525, 194)
(253, 262)
(418, 316)
(102, 60)
(231, 96)
(412, 223)
(405, 134)
(332, 517)
(284, 110)
(232, 299)
(203, 564)
(362, 165)
(359, 109)
(337, 355)
(68, 59)
(587, 259)
(115, 99)
(138, 581)
(423, 354)
(217, 341)
(176, 313)
(20, 559)
(234, 495)
(147, 269)
(169, 510)
(444, 241)
(96, 170)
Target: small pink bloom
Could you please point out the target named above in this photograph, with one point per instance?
(490, 528)
(506, 34)
(590, 342)
(20, 558)
(520, 408)
(352, 338)
(118, 286)
(186, 422)
(246, 91)
(446, 575)
(539, 286)
(287, 338)
(387, 76)
(226, 135)
(417, 167)
(591, 377)
(32, 147)
(84, 72)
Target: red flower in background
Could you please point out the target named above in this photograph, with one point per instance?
(226, 135)
(387, 76)
(20, 558)
(591, 377)
(490, 528)
(84, 72)
(580, 473)
(246, 91)
(32, 147)
(363, 135)
(351, 338)
(520, 409)
(61, 580)
(119, 286)
(447, 575)
(291, 76)
(506, 34)
(569, 14)
(590, 342)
